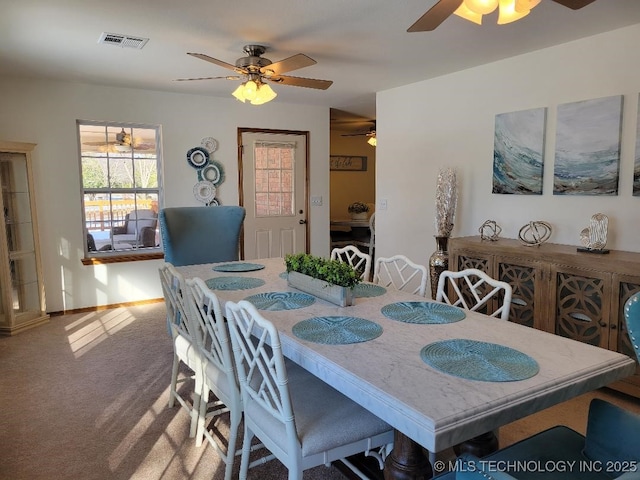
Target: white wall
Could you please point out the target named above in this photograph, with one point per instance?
(45, 113)
(449, 121)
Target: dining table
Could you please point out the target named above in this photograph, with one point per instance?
(439, 375)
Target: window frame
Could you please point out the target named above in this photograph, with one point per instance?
(134, 253)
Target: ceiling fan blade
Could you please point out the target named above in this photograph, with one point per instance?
(574, 4)
(228, 77)
(302, 82)
(435, 16)
(289, 64)
(207, 58)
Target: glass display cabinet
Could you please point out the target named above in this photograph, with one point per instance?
(22, 300)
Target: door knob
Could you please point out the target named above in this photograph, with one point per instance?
(302, 222)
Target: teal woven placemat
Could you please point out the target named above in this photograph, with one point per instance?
(238, 267)
(281, 300)
(368, 290)
(474, 360)
(423, 312)
(337, 330)
(234, 283)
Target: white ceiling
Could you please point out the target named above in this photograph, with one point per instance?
(362, 45)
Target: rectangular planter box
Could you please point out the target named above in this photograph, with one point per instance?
(341, 296)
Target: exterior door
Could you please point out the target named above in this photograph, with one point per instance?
(273, 171)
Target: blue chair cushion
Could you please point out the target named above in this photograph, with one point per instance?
(469, 467)
(613, 437)
(195, 235)
(533, 457)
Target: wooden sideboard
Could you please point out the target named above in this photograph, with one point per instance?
(558, 289)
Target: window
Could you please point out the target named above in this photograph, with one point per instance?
(121, 188)
(274, 172)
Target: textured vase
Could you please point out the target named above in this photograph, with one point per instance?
(438, 263)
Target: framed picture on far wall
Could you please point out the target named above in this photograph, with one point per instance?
(518, 149)
(588, 147)
(348, 162)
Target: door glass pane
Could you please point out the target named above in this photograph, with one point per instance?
(274, 173)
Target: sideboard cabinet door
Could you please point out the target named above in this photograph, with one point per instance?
(581, 300)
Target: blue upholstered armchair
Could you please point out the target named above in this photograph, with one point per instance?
(194, 235)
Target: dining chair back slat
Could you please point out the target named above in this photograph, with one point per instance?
(401, 273)
(360, 261)
(184, 347)
(218, 370)
(474, 290)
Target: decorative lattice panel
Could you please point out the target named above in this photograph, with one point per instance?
(579, 307)
(471, 262)
(480, 264)
(522, 281)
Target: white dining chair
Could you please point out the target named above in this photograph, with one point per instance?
(300, 419)
(472, 289)
(401, 273)
(218, 372)
(185, 350)
(359, 260)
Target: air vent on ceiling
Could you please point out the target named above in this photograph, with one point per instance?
(124, 41)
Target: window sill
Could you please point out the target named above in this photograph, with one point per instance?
(122, 258)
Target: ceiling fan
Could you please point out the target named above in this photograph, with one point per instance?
(257, 69)
(123, 142)
(445, 8)
(371, 134)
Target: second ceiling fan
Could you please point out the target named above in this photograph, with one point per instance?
(443, 9)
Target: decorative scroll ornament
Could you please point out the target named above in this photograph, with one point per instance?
(490, 230)
(594, 237)
(535, 233)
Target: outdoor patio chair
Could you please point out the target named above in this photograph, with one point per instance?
(139, 229)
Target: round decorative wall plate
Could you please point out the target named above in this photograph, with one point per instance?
(198, 157)
(211, 173)
(204, 192)
(210, 143)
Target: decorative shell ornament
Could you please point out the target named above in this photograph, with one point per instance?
(535, 233)
(490, 230)
(594, 237)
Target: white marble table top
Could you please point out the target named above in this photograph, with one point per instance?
(387, 376)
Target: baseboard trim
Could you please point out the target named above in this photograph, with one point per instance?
(98, 308)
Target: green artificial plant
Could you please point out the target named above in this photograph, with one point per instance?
(334, 272)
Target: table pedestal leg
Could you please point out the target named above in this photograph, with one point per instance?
(407, 461)
(479, 446)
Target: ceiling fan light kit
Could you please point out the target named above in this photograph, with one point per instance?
(256, 93)
(509, 10)
(473, 10)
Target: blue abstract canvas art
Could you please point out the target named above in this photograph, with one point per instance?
(518, 150)
(587, 160)
(636, 168)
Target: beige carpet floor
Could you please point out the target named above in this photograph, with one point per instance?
(85, 397)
